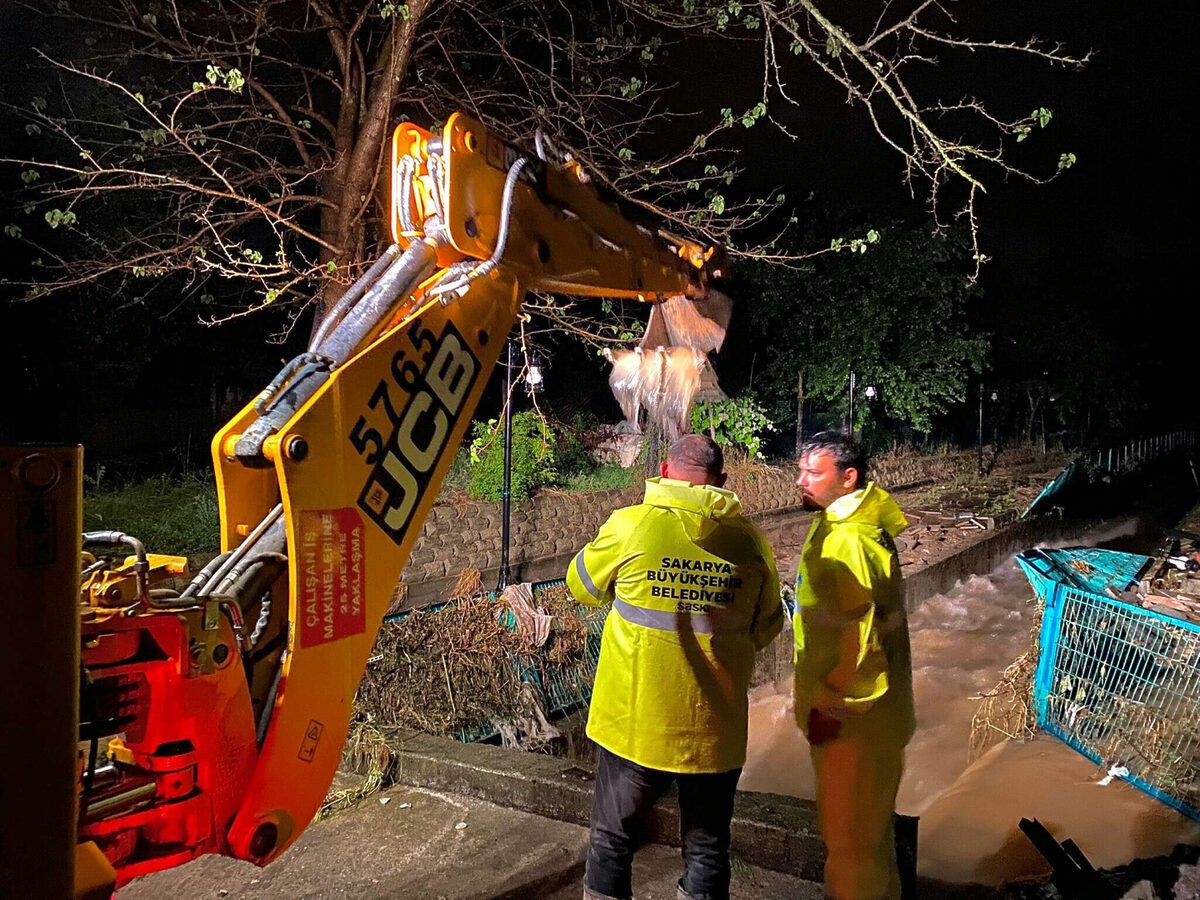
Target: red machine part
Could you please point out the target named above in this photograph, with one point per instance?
(170, 783)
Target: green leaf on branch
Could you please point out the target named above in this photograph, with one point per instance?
(56, 217)
(1042, 116)
(232, 79)
(759, 110)
(632, 88)
(1066, 161)
(388, 9)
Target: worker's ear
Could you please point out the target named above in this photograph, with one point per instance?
(662, 469)
(850, 479)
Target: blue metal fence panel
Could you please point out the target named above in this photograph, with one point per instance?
(1087, 568)
(1121, 685)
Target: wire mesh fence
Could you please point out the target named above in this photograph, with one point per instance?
(1121, 685)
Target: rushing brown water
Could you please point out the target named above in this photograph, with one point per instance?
(962, 641)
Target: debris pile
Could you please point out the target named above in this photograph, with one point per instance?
(475, 666)
(1172, 583)
(1007, 712)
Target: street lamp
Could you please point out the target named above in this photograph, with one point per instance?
(993, 397)
(535, 379)
(870, 392)
(535, 383)
(850, 428)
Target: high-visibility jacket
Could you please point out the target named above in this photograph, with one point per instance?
(694, 595)
(851, 632)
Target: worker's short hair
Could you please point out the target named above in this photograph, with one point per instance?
(697, 451)
(846, 452)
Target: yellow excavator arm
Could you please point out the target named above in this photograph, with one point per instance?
(358, 435)
(230, 699)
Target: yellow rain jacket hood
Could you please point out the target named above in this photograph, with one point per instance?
(695, 594)
(852, 651)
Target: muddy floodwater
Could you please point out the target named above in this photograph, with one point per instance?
(962, 642)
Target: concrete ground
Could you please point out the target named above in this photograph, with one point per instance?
(413, 843)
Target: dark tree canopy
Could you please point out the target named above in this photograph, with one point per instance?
(236, 150)
(894, 314)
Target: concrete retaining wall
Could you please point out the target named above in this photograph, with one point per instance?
(549, 529)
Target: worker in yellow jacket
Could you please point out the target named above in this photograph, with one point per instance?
(853, 678)
(694, 595)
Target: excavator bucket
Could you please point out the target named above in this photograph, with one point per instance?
(698, 325)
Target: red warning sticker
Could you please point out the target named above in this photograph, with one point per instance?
(331, 574)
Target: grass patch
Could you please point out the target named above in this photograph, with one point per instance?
(609, 477)
(169, 514)
(459, 475)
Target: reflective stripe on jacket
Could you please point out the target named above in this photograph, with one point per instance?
(694, 593)
(851, 631)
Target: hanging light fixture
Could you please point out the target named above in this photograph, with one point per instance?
(535, 379)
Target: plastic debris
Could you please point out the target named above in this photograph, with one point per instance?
(661, 383)
(460, 826)
(1113, 772)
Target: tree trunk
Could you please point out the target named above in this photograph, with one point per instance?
(361, 145)
(799, 411)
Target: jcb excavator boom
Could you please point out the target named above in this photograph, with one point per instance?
(216, 714)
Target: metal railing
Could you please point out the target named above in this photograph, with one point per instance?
(1121, 685)
(1129, 455)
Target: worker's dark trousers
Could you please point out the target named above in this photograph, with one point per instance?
(625, 793)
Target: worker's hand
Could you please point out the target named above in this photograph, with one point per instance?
(821, 728)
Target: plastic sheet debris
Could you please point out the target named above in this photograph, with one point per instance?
(1113, 772)
(662, 383)
(660, 378)
(533, 625)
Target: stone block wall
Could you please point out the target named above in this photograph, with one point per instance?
(549, 529)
